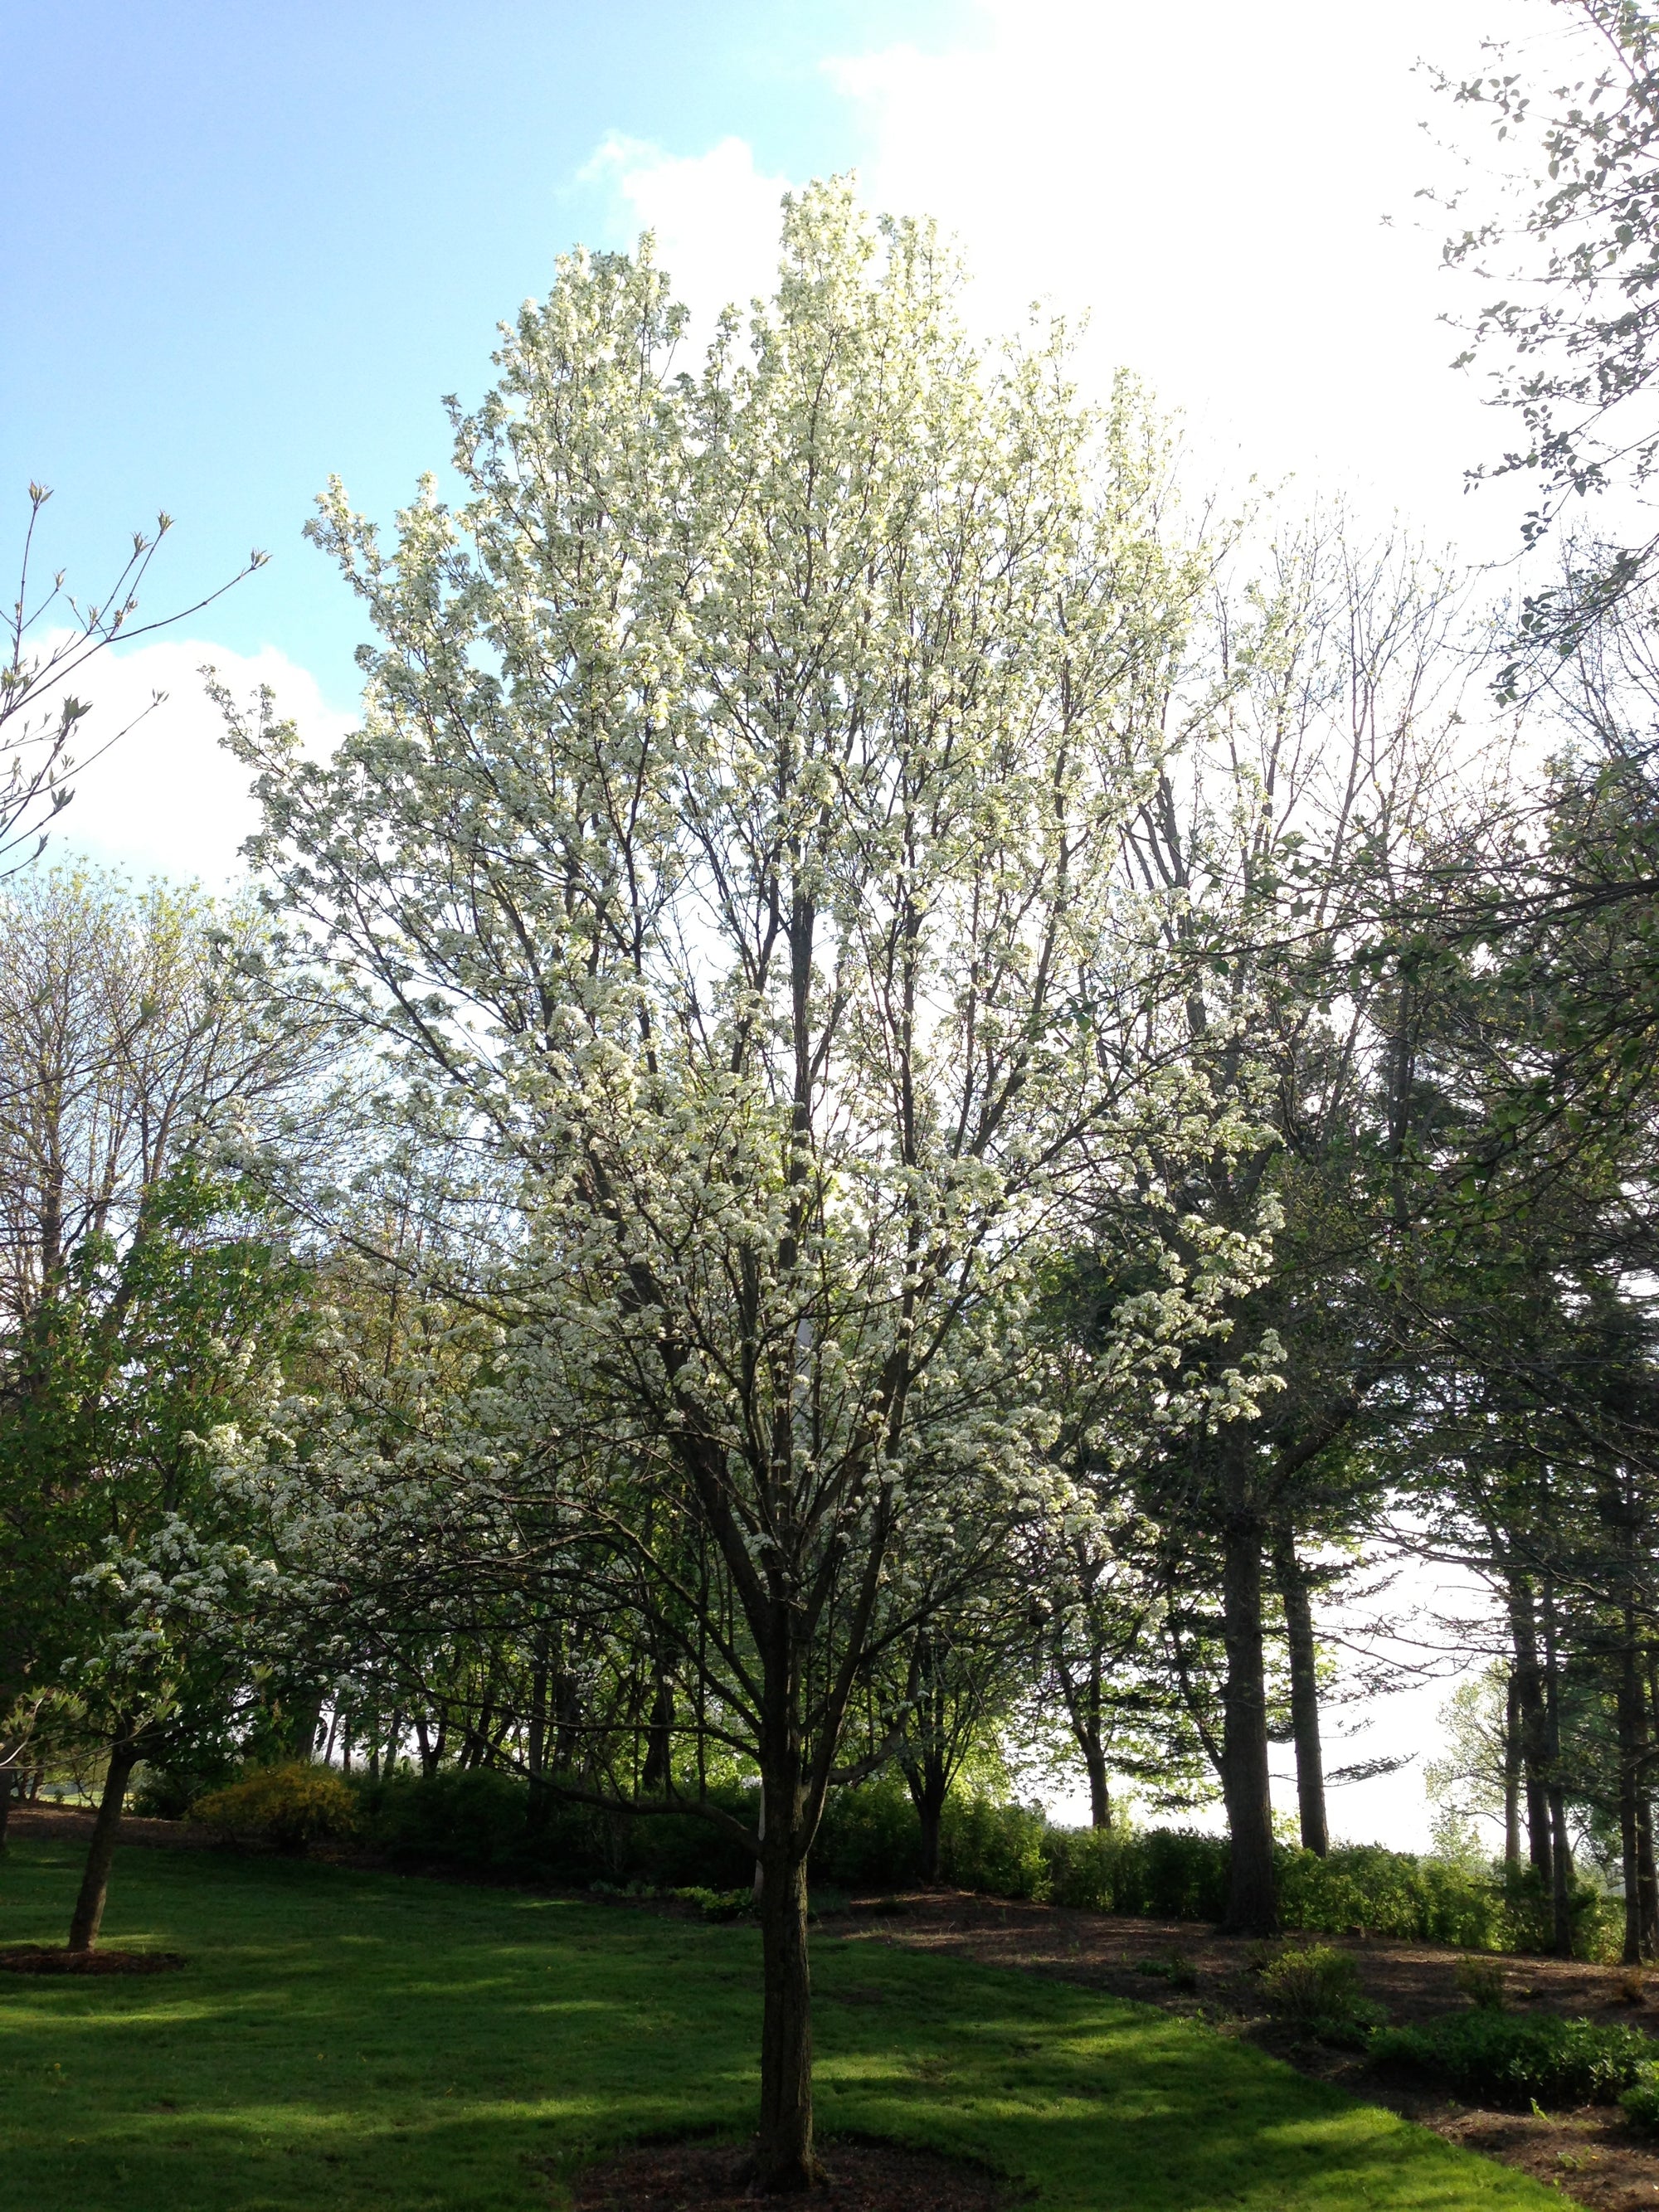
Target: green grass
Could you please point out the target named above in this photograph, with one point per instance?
(343, 2040)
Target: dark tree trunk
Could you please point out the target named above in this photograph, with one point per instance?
(7, 1787)
(1292, 1578)
(536, 1749)
(1529, 1696)
(927, 1793)
(1632, 1768)
(1512, 1774)
(100, 1852)
(1252, 1901)
(658, 1740)
(1560, 1851)
(1100, 1798)
(784, 2159)
(1646, 1875)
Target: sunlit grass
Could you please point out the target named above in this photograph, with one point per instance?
(343, 2040)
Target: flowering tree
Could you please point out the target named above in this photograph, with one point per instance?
(142, 1291)
(732, 832)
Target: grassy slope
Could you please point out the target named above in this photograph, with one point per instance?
(342, 2040)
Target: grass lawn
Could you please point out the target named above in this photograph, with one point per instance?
(343, 2040)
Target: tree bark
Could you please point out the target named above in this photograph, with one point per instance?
(1292, 1579)
(784, 2159)
(1512, 1774)
(1252, 1899)
(1529, 1695)
(1561, 1849)
(1100, 1796)
(100, 1853)
(1632, 1768)
(1647, 1875)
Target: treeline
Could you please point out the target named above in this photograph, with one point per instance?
(898, 1107)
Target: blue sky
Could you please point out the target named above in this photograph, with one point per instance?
(250, 246)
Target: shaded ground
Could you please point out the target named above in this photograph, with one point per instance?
(1590, 2154)
(861, 2177)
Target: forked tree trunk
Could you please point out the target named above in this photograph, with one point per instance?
(1292, 1578)
(100, 1853)
(1252, 1900)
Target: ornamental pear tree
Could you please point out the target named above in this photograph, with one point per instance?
(732, 840)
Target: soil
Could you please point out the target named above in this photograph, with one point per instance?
(861, 2176)
(44, 1958)
(1591, 2155)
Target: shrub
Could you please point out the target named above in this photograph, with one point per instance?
(870, 1838)
(996, 1848)
(286, 1807)
(1503, 2058)
(1641, 2100)
(1316, 1988)
(1483, 1982)
(165, 1789)
(1175, 1967)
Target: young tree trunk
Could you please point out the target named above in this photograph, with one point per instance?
(1512, 1774)
(100, 1853)
(1292, 1579)
(1529, 1695)
(1251, 1902)
(784, 2159)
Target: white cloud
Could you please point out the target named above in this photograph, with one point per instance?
(166, 800)
(1210, 183)
(714, 214)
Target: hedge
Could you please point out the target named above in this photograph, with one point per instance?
(488, 1824)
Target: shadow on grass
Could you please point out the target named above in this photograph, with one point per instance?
(345, 2041)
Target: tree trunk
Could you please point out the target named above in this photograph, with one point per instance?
(1647, 1877)
(785, 2159)
(1292, 1578)
(1512, 1774)
(1633, 1767)
(1529, 1695)
(927, 1794)
(100, 1853)
(7, 1787)
(1560, 1851)
(1251, 1902)
(1100, 1799)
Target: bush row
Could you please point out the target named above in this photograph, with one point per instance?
(490, 1824)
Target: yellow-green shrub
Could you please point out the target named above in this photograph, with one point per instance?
(286, 1807)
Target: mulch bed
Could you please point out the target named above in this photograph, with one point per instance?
(1591, 2155)
(861, 2176)
(51, 1958)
